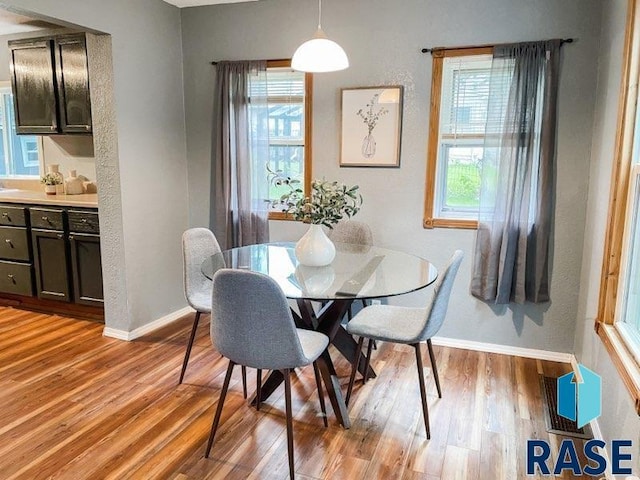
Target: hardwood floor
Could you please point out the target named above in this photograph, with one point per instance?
(76, 405)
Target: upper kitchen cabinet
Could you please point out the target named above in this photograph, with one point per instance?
(72, 75)
(50, 81)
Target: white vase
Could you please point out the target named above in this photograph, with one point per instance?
(73, 184)
(315, 249)
(54, 169)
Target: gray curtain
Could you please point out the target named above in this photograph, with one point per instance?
(511, 261)
(240, 154)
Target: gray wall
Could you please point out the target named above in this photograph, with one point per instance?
(145, 215)
(383, 39)
(619, 418)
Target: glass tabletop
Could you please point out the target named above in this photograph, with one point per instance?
(358, 271)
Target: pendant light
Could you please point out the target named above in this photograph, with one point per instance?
(319, 54)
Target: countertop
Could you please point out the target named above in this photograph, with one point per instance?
(89, 200)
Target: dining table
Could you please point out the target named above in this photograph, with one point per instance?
(324, 294)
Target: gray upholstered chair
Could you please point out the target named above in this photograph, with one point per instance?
(197, 245)
(409, 326)
(356, 233)
(252, 325)
(351, 231)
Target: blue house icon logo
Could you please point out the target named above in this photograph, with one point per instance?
(580, 401)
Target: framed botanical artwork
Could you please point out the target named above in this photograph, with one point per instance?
(371, 126)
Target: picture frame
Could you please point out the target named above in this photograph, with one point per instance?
(371, 126)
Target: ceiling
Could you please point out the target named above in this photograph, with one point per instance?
(197, 3)
(11, 23)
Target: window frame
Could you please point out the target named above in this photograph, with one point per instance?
(433, 147)
(308, 129)
(4, 86)
(620, 352)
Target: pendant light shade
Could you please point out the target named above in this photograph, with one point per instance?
(319, 54)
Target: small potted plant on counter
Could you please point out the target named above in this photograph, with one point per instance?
(50, 181)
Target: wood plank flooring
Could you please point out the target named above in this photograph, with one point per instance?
(76, 405)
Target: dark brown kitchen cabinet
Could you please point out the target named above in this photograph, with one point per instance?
(50, 82)
(86, 267)
(72, 76)
(34, 86)
(51, 261)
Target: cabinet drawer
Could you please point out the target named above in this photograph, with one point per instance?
(16, 278)
(83, 222)
(14, 216)
(48, 219)
(14, 243)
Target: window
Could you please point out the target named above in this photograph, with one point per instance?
(289, 106)
(459, 111)
(19, 154)
(618, 322)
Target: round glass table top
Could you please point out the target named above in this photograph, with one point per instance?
(358, 271)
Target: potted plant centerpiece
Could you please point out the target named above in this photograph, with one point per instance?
(327, 204)
(50, 180)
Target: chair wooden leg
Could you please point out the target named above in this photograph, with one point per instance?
(258, 388)
(287, 398)
(354, 369)
(244, 381)
(432, 357)
(423, 390)
(189, 345)
(368, 361)
(316, 372)
(216, 418)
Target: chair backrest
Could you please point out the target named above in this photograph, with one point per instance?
(351, 231)
(251, 322)
(437, 311)
(197, 245)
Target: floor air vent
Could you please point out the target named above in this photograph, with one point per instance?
(555, 423)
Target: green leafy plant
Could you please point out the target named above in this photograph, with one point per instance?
(50, 179)
(328, 203)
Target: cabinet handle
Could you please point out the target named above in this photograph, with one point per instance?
(5, 214)
(84, 220)
(60, 235)
(87, 127)
(52, 128)
(45, 219)
(8, 241)
(71, 237)
(10, 276)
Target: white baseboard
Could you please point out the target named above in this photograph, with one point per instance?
(149, 327)
(504, 349)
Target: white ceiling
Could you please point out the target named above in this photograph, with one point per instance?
(198, 3)
(11, 23)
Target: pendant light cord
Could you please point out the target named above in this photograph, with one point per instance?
(319, 14)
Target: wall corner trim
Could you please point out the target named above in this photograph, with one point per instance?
(149, 327)
(505, 349)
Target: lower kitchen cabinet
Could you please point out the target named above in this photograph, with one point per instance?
(51, 261)
(51, 252)
(86, 267)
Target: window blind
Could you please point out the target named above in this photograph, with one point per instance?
(466, 89)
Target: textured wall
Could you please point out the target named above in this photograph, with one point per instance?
(140, 157)
(619, 418)
(383, 39)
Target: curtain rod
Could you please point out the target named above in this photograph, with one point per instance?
(270, 60)
(469, 47)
